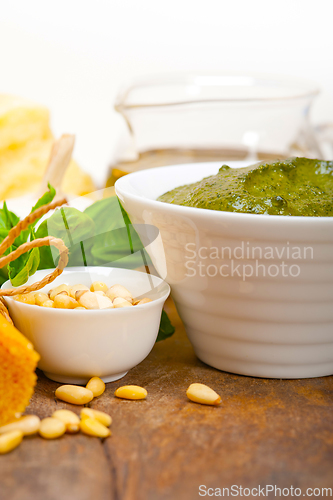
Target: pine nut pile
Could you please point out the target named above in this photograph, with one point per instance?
(91, 422)
(79, 296)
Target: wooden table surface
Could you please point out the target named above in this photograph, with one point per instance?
(265, 432)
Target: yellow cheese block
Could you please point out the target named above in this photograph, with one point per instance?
(22, 121)
(22, 170)
(25, 146)
(18, 361)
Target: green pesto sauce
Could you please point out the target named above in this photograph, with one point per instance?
(296, 186)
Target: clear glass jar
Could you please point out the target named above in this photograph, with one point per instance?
(189, 118)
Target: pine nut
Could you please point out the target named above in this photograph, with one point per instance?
(62, 301)
(102, 417)
(87, 299)
(91, 300)
(9, 441)
(120, 302)
(40, 298)
(119, 291)
(29, 424)
(79, 293)
(93, 427)
(47, 303)
(75, 288)
(74, 394)
(58, 289)
(69, 418)
(200, 393)
(98, 286)
(131, 392)
(96, 386)
(51, 428)
(104, 302)
(145, 300)
(99, 292)
(26, 298)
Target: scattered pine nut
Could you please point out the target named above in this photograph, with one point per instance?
(52, 428)
(9, 441)
(74, 394)
(131, 392)
(96, 386)
(28, 425)
(93, 427)
(201, 393)
(69, 418)
(101, 416)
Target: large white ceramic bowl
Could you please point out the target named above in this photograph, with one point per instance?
(277, 322)
(77, 345)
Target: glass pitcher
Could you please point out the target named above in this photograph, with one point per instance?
(196, 117)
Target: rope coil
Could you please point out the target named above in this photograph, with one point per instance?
(39, 242)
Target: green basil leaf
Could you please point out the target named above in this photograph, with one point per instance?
(3, 275)
(43, 200)
(75, 228)
(3, 233)
(116, 242)
(71, 225)
(20, 270)
(46, 198)
(166, 328)
(45, 254)
(7, 221)
(8, 218)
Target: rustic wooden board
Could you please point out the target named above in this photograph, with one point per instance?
(276, 432)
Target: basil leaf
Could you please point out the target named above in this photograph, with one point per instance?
(7, 219)
(71, 225)
(116, 243)
(46, 198)
(43, 200)
(166, 328)
(75, 228)
(20, 270)
(27, 264)
(45, 254)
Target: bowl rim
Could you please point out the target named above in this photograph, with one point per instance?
(203, 213)
(99, 312)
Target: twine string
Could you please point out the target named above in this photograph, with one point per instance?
(39, 242)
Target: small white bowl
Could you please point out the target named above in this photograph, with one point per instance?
(77, 345)
(265, 326)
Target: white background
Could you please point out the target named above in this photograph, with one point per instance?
(72, 55)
